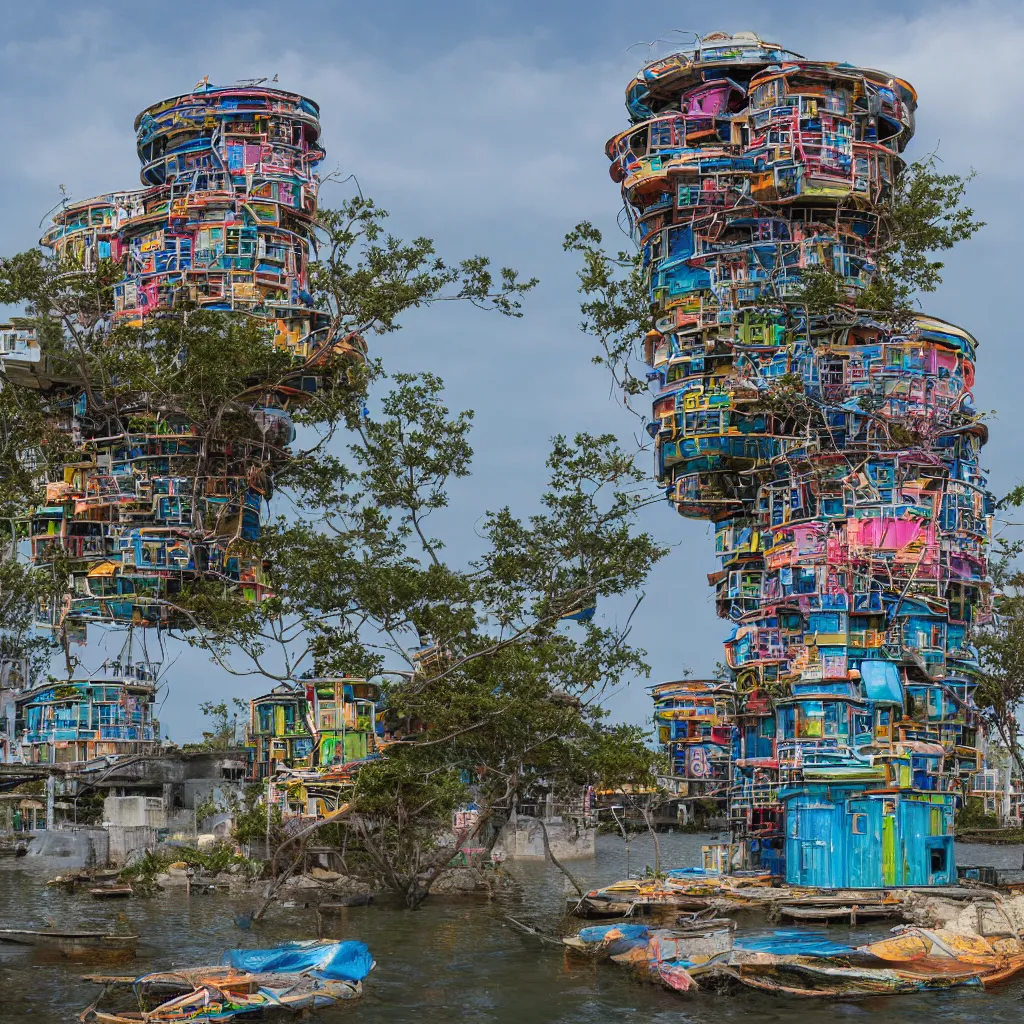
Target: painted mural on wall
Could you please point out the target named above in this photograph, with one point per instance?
(223, 222)
(836, 454)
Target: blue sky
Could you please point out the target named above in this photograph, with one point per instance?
(482, 124)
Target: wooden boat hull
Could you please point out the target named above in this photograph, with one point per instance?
(111, 892)
(599, 908)
(70, 942)
(221, 999)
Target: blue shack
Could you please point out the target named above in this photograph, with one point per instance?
(849, 836)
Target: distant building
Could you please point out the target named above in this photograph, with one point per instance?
(151, 500)
(86, 718)
(695, 719)
(308, 737)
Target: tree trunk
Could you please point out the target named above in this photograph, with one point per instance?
(554, 860)
(1006, 726)
(276, 884)
(654, 836)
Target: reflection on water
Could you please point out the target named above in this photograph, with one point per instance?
(447, 962)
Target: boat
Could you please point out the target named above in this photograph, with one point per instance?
(295, 976)
(73, 878)
(70, 941)
(595, 905)
(115, 890)
(806, 963)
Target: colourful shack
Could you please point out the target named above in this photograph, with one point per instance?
(81, 719)
(308, 737)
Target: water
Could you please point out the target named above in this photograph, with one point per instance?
(449, 961)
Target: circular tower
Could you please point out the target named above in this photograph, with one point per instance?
(836, 452)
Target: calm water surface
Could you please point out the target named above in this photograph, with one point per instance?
(449, 962)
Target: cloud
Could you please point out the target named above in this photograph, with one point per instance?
(484, 128)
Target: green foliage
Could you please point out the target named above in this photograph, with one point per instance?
(511, 696)
(251, 818)
(26, 441)
(616, 310)
(1000, 644)
(212, 860)
(785, 397)
(204, 809)
(368, 278)
(820, 290)
(972, 815)
(225, 734)
(924, 214)
(89, 808)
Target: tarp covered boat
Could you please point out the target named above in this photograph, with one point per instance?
(802, 962)
(294, 976)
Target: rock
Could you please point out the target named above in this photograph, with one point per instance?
(981, 916)
(323, 875)
(349, 886)
(459, 882)
(174, 875)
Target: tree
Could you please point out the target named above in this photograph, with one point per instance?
(506, 661)
(1000, 644)
(219, 377)
(224, 734)
(503, 686)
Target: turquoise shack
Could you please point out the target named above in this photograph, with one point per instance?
(848, 836)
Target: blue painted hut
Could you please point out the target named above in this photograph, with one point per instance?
(847, 836)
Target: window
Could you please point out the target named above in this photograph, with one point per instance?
(937, 860)
(811, 718)
(832, 713)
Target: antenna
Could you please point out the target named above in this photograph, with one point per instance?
(665, 39)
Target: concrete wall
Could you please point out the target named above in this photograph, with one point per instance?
(72, 847)
(221, 791)
(127, 839)
(135, 811)
(522, 839)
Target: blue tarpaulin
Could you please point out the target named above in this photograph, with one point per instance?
(597, 932)
(616, 938)
(336, 961)
(793, 942)
(882, 681)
